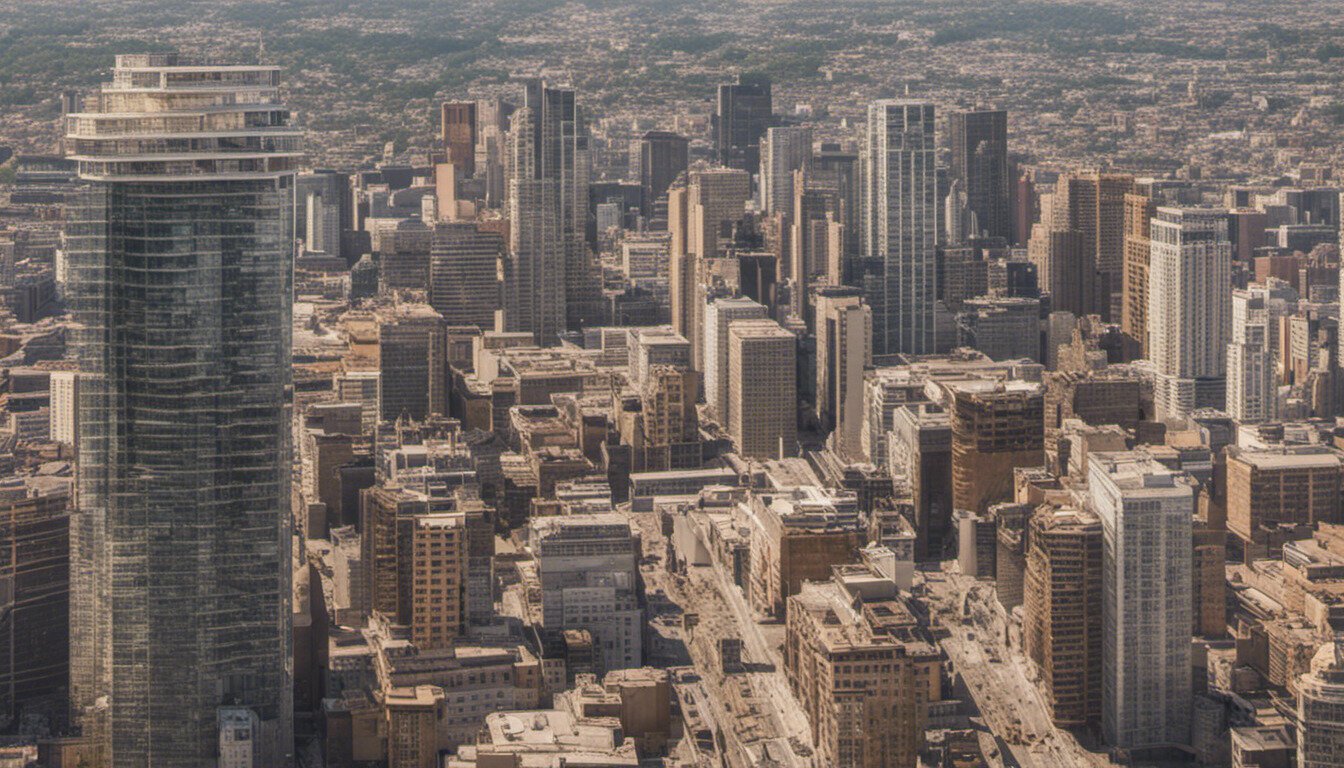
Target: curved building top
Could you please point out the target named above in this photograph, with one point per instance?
(165, 117)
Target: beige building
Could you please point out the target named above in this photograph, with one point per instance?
(1061, 612)
(1289, 486)
(762, 389)
(413, 717)
(797, 535)
(996, 427)
(844, 330)
(438, 572)
(862, 673)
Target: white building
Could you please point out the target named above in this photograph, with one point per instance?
(900, 217)
(1189, 308)
(588, 566)
(718, 315)
(1251, 392)
(1320, 710)
(64, 406)
(1147, 514)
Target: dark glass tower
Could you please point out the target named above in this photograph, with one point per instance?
(980, 163)
(180, 250)
(743, 113)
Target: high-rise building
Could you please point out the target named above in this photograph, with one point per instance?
(1288, 486)
(996, 427)
(64, 409)
(1139, 211)
(980, 163)
(1320, 709)
(784, 150)
(464, 265)
(457, 126)
(412, 355)
(35, 623)
(698, 217)
(1002, 328)
(816, 236)
(1189, 308)
(1093, 204)
(719, 315)
(1147, 516)
(1252, 390)
(762, 389)
(438, 572)
(663, 157)
(589, 571)
(180, 285)
(320, 221)
(844, 332)
(1061, 612)
(561, 154)
(534, 299)
(899, 273)
(742, 114)
(920, 451)
(845, 168)
(1063, 266)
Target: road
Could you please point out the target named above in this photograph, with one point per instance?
(996, 677)
(758, 702)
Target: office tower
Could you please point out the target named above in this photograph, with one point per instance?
(64, 409)
(438, 572)
(816, 236)
(741, 116)
(1140, 207)
(996, 427)
(1290, 486)
(457, 132)
(365, 388)
(698, 217)
(588, 566)
(1062, 612)
(859, 670)
(1320, 704)
(561, 154)
(844, 332)
(319, 197)
(844, 167)
(1093, 204)
(901, 226)
(719, 316)
(663, 156)
(180, 272)
(1002, 328)
(783, 151)
(1063, 264)
(535, 297)
(762, 389)
(464, 265)
(1252, 391)
(919, 449)
(403, 247)
(1189, 308)
(412, 362)
(1147, 514)
(980, 164)
(650, 346)
(35, 606)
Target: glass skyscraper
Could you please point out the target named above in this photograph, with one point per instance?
(180, 250)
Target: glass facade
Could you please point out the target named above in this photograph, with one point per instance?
(181, 294)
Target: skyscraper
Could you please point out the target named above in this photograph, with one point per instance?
(899, 275)
(561, 154)
(1140, 208)
(762, 389)
(1252, 392)
(180, 251)
(743, 112)
(784, 150)
(457, 126)
(1147, 518)
(1189, 308)
(534, 300)
(844, 328)
(663, 157)
(980, 163)
(719, 315)
(464, 274)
